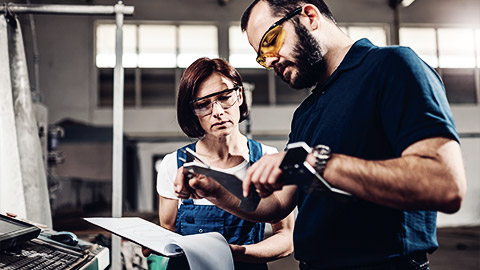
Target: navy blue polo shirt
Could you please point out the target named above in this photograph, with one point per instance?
(377, 103)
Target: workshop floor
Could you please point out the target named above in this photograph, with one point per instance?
(459, 249)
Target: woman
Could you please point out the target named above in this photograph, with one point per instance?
(210, 106)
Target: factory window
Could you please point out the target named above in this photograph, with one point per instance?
(376, 34)
(156, 46)
(456, 48)
(105, 46)
(196, 41)
(422, 41)
(477, 51)
(242, 55)
(153, 57)
(454, 52)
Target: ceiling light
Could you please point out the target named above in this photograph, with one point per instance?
(407, 3)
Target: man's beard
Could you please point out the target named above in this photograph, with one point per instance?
(307, 59)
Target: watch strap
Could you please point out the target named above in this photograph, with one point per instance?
(322, 154)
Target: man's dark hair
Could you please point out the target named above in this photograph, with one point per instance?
(282, 7)
(191, 79)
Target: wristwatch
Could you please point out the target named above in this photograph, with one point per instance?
(322, 154)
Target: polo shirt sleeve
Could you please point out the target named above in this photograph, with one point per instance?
(167, 172)
(413, 103)
(293, 129)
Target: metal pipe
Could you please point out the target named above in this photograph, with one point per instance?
(36, 66)
(65, 9)
(396, 25)
(117, 168)
(272, 93)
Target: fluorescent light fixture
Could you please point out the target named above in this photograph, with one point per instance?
(407, 3)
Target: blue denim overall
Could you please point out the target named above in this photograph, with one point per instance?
(193, 219)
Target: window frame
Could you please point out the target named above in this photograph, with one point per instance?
(138, 70)
(385, 26)
(458, 70)
(223, 50)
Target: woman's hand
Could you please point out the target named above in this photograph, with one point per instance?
(146, 252)
(180, 187)
(181, 184)
(195, 186)
(278, 245)
(237, 251)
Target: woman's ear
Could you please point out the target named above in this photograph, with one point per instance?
(240, 96)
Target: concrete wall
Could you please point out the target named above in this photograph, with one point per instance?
(68, 82)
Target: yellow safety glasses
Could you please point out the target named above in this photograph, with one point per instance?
(273, 39)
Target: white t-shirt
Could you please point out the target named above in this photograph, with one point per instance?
(167, 172)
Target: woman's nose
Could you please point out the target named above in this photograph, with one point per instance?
(217, 109)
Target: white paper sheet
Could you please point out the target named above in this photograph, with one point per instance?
(203, 251)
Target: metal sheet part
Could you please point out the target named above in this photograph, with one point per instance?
(231, 183)
(12, 198)
(29, 146)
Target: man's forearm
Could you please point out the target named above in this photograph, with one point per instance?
(419, 180)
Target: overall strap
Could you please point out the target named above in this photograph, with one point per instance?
(182, 156)
(255, 150)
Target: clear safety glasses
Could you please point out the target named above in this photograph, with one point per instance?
(225, 98)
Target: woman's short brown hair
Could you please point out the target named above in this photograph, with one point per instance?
(191, 79)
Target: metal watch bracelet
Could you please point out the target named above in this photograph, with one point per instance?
(322, 154)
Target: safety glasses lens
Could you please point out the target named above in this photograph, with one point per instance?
(271, 44)
(225, 99)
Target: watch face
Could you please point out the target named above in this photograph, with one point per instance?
(322, 150)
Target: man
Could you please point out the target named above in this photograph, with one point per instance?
(383, 114)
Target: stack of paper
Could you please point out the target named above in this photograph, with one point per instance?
(203, 251)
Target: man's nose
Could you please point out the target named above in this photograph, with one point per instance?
(217, 109)
(271, 60)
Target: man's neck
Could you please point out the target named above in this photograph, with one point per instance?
(336, 54)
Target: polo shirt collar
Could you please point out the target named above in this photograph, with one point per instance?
(356, 54)
(353, 58)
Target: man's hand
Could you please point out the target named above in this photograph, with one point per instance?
(264, 175)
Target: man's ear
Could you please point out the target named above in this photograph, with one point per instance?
(313, 15)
